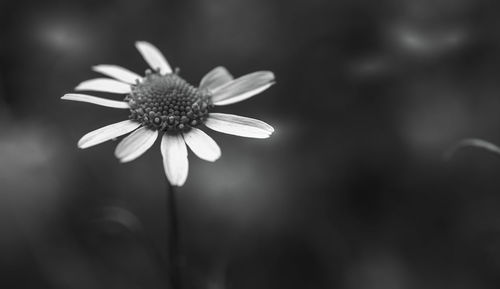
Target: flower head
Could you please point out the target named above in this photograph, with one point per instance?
(161, 103)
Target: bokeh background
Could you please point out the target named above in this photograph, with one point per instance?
(351, 192)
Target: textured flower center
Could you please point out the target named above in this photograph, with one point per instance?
(168, 103)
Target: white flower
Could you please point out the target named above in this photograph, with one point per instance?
(163, 104)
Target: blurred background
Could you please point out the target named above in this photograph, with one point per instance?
(351, 192)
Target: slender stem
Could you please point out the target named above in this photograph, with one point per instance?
(173, 238)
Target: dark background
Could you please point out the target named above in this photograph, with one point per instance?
(351, 192)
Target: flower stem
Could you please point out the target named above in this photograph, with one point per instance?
(173, 239)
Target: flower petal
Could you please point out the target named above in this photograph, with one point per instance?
(153, 56)
(134, 145)
(95, 100)
(238, 125)
(104, 85)
(215, 78)
(117, 72)
(242, 88)
(106, 133)
(202, 145)
(175, 161)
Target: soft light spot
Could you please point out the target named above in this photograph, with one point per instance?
(63, 34)
(427, 41)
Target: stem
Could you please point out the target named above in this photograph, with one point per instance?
(173, 238)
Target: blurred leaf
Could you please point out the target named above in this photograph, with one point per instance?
(120, 216)
(471, 142)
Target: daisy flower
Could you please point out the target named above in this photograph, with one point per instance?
(161, 103)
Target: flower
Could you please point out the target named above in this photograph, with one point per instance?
(162, 103)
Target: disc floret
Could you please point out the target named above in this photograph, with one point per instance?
(167, 103)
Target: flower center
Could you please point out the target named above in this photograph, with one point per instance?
(167, 103)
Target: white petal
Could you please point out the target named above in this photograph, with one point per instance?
(95, 100)
(134, 145)
(153, 56)
(104, 85)
(202, 145)
(242, 88)
(238, 125)
(106, 133)
(175, 161)
(117, 72)
(215, 78)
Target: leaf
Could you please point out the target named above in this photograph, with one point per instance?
(113, 215)
(471, 142)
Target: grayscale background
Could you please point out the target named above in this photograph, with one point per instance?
(351, 192)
